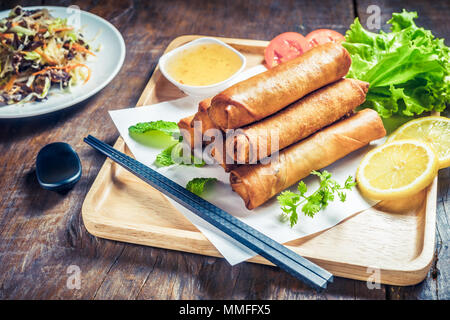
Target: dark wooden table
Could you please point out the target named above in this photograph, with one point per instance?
(42, 233)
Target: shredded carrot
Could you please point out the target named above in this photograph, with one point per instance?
(9, 36)
(14, 24)
(67, 69)
(48, 68)
(10, 83)
(80, 65)
(63, 29)
(46, 57)
(77, 47)
(43, 30)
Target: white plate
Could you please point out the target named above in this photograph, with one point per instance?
(105, 65)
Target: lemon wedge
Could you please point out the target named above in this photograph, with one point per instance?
(397, 169)
(433, 130)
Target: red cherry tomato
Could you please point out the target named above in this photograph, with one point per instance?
(285, 47)
(321, 36)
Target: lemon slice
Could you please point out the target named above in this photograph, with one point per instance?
(434, 130)
(397, 169)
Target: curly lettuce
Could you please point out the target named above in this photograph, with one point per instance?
(408, 68)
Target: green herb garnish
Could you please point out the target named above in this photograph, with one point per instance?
(158, 134)
(197, 185)
(167, 127)
(315, 202)
(164, 158)
(173, 155)
(163, 134)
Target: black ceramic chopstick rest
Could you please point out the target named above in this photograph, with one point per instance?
(58, 167)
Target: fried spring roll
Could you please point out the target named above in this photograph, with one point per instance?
(186, 130)
(256, 184)
(299, 120)
(204, 105)
(203, 117)
(220, 157)
(187, 124)
(268, 92)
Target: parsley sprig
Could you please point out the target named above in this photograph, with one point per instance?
(315, 202)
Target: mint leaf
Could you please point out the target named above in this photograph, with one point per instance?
(158, 134)
(173, 155)
(197, 185)
(164, 158)
(166, 127)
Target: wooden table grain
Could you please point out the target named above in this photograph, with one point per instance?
(43, 242)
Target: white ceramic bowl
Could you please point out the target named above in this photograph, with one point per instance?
(200, 91)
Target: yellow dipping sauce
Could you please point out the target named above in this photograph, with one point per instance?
(203, 64)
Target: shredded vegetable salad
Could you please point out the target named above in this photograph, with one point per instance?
(38, 51)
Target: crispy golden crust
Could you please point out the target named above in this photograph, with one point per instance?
(256, 184)
(204, 104)
(299, 120)
(202, 118)
(266, 93)
(220, 157)
(206, 123)
(186, 130)
(187, 124)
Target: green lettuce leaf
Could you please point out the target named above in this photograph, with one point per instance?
(408, 68)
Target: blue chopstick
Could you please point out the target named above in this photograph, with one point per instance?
(251, 238)
(219, 212)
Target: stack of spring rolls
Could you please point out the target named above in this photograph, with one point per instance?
(302, 111)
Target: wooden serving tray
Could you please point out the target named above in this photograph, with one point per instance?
(392, 242)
